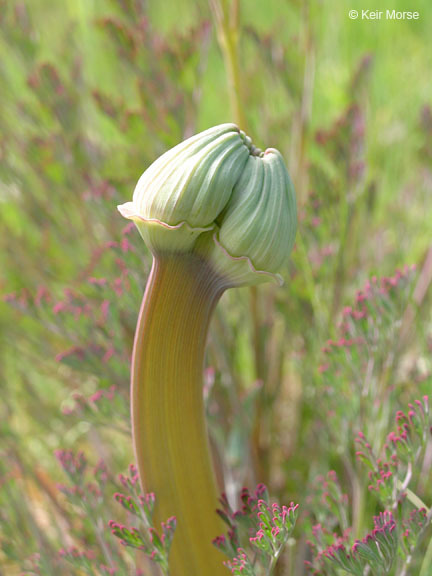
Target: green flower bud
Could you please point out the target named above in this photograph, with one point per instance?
(258, 227)
(182, 193)
(219, 196)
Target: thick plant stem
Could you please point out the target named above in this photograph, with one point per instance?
(168, 420)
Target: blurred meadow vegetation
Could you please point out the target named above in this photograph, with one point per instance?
(91, 93)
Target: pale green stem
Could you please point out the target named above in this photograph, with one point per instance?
(413, 498)
(227, 17)
(427, 561)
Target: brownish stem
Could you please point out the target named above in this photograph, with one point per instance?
(168, 420)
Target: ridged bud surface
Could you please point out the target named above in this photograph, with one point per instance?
(258, 228)
(218, 195)
(182, 193)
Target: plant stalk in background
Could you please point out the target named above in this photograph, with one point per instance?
(216, 212)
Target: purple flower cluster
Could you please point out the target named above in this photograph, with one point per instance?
(144, 536)
(376, 550)
(261, 526)
(391, 472)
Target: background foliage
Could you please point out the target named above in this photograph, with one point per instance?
(92, 92)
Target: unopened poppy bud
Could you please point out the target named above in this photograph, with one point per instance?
(258, 227)
(182, 193)
(218, 195)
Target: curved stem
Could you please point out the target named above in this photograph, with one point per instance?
(168, 420)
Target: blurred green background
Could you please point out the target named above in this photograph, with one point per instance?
(91, 92)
